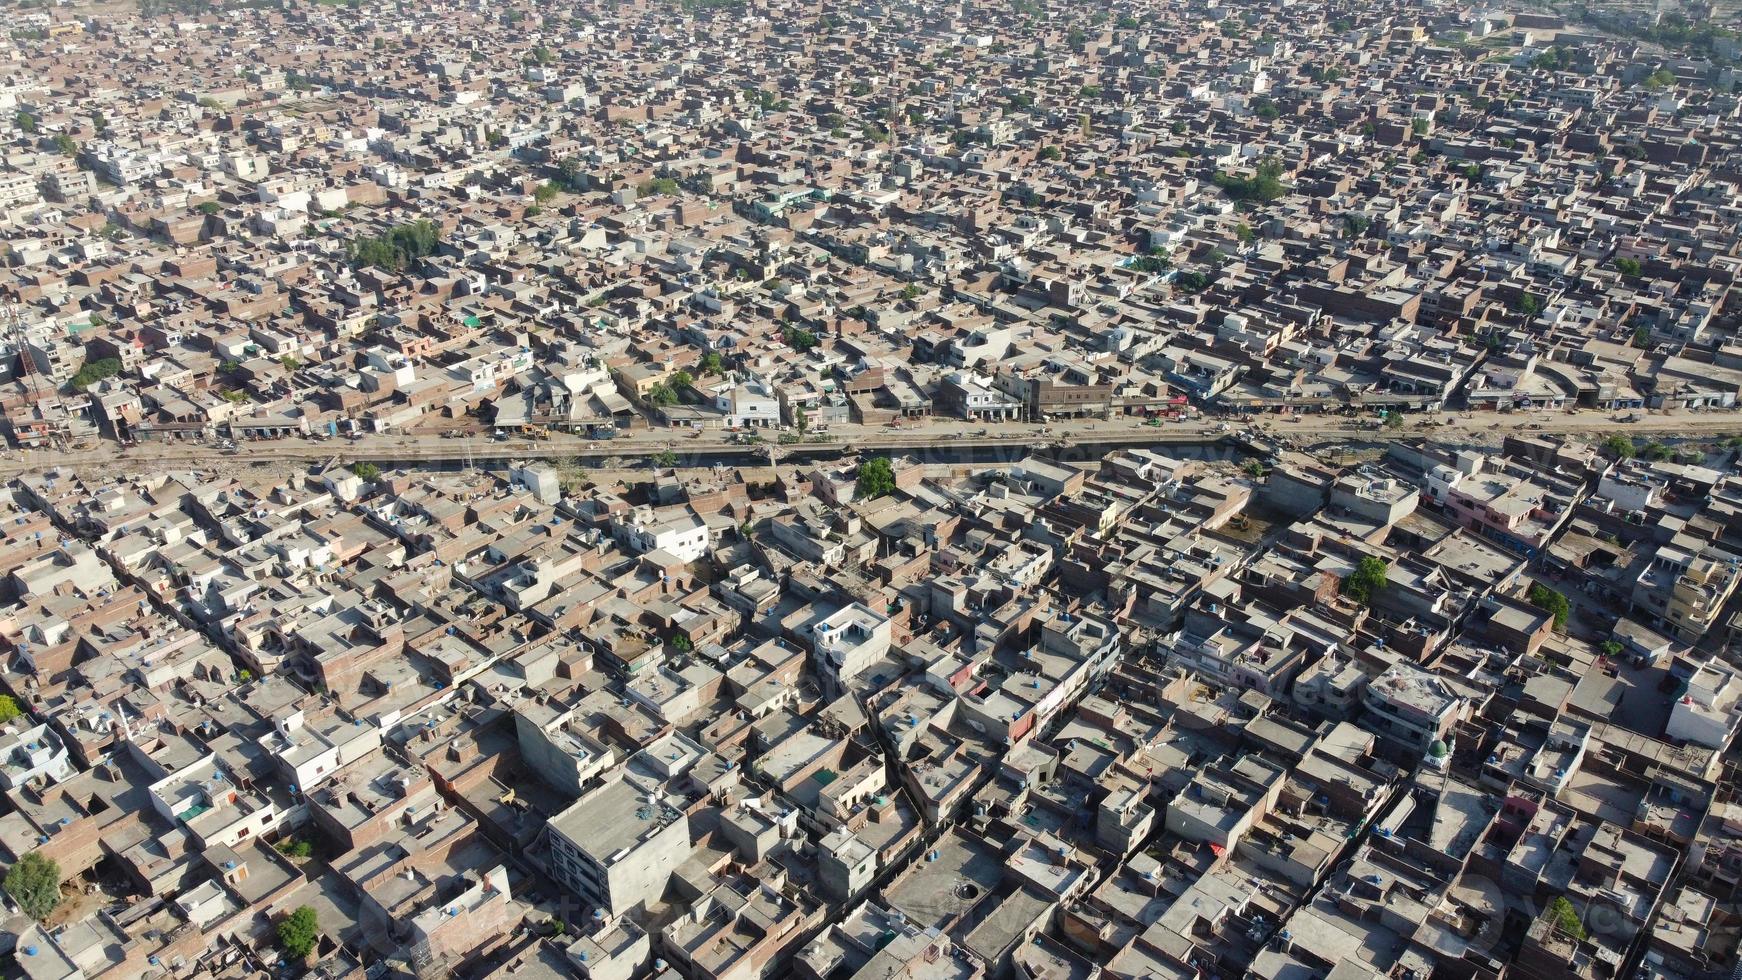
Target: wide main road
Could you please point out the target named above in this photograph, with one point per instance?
(1477, 429)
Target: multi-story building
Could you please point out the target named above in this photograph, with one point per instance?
(1708, 712)
(1684, 586)
(617, 846)
(1517, 513)
(16, 188)
(683, 535)
(1055, 388)
(969, 395)
(1411, 708)
(36, 752)
(848, 641)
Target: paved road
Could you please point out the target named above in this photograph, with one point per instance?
(1478, 429)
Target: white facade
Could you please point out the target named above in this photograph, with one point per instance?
(31, 753)
(848, 642)
(684, 536)
(1707, 714)
(748, 404)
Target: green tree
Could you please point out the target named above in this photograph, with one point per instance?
(94, 371)
(1617, 446)
(1529, 304)
(1264, 185)
(1628, 267)
(401, 245)
(364, 471)
(65, 145)
(1655, 450)
(1550, 601)
(1049, 153)
(662, 394)
(800, 340)
(1610, 648)
(569, 174)
(683, 379)
(26, 122)
(1244, 233)
(658, 185)
(545, 192)
(876, 478)
(34, 883)
(9, 709)
(210, 207)
(713, 363)
(1642, 336)
(682, 644)
(296, 848)
(1566, 918)
(665, 459)
(1418, 126)
(298, 931)
(1367, 580)
(800, 420)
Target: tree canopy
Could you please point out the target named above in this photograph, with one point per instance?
(398, 247)
(95, 371)
(1618, 446)
(1367, 580)
(876, 478)
(298, 931)
(1550, 601)
(34, 883)
(801, 340)
(1264, 185)
(1565, 917)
